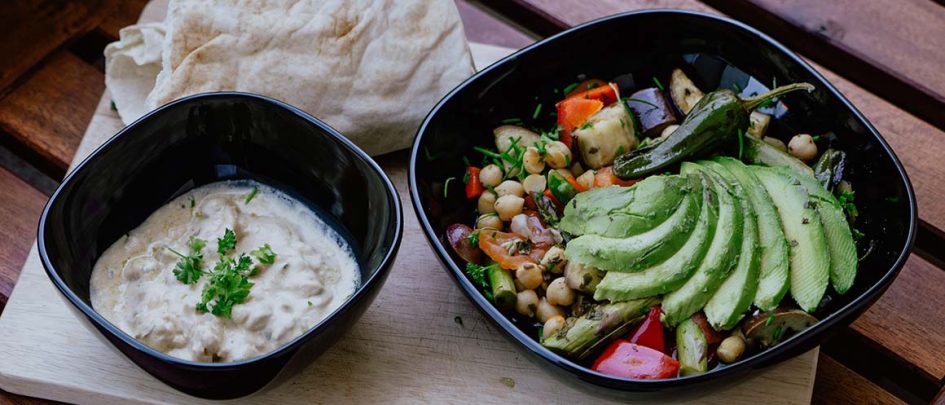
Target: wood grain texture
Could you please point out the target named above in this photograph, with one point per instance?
(50, 110)
(20, 206)
(838, 385)
(890, 47)
(33, 29)
(483, 27)
(407, 348)
(124, 14)
(907, 322)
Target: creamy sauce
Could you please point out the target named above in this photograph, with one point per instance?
(134, 287)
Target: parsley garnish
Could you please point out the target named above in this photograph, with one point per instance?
(227, 242)
(473, 238)
(479, 276)
(846, 202)
(190, 267)
(658, 84)
(537, 111)
(251, 195)
(264, 254)
(193, 202)
(228, 285)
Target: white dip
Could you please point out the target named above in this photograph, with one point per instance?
(133, 284)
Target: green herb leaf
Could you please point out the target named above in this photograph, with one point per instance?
(228, 285)
(846, 202)
(251, 195)
(473, 238)
(227, 242)
(478, 275)
(190, 267)
(264, 254)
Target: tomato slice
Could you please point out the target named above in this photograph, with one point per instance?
(496, 245)
(630, 360)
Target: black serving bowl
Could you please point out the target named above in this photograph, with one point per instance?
(204, 139)
(630, 49)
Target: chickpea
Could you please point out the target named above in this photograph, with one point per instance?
(534, 183)
(526, 303)
(519, 226)
(558, 293)
(532, 160)
(586, 180)
(554, 260)
(730, 350)
(552, 326)
(486, 202)
(557, 155)
(490, 176)
(489, 221)
(802, 146)
(529, 274)
(564, 172)
(510, 187)
(547, 311)
(509, 206)
(666, 131)
(582, 278)
(777, 143)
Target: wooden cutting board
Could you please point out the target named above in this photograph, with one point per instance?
(421, 341)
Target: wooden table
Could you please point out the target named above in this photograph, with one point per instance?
(887, 63)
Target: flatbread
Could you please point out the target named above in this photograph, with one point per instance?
(371, 69)
(131, 65)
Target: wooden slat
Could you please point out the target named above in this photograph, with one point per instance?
(20, 206)
(838, 385)
(908, 322)
(483, 27)
(50, 110)
(889, 47)
(125, 14)
(31, 30)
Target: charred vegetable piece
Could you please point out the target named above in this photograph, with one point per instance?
(684, 92)
(606, 135)
(503, 288)
(829, 169)
(716, 120)
(581, 336)
(652, 110)
(758, 124)
(630, 360)
(458, 235)
(769, 328)
(691, 348)
(763, 153)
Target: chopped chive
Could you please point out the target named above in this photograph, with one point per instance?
(517, 121)
(486, 152)
(537, 111)
(446, 185)
(251, 195)
(569, 88)
(770, 319)
(741, 144)
(816, 138)
(466, 161)
(658, 84)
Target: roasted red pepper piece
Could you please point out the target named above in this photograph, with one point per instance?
(574, 112)
(574, 183)
(606, 93)
(585, 86)
(473, 186)
(650, 332)
(630, 360)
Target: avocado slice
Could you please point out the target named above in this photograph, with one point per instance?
(843, 257)
(775, 263)
(735, 295)
(810, 258)
(638, 252)
(619, 212)
(671, 274)
(719, 260)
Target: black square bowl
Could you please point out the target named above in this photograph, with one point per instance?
(631, 49)
(200, 140)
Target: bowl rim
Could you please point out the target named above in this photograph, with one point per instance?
(757, 360)
(366, 285)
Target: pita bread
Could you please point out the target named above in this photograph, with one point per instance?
(131, 65)
(371, 69)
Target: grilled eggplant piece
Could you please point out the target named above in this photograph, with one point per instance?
(652, 110)
(683, 91)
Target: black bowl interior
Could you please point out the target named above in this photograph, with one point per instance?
(200, 140)
(631, 50)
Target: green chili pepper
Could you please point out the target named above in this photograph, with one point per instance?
(713, 121)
